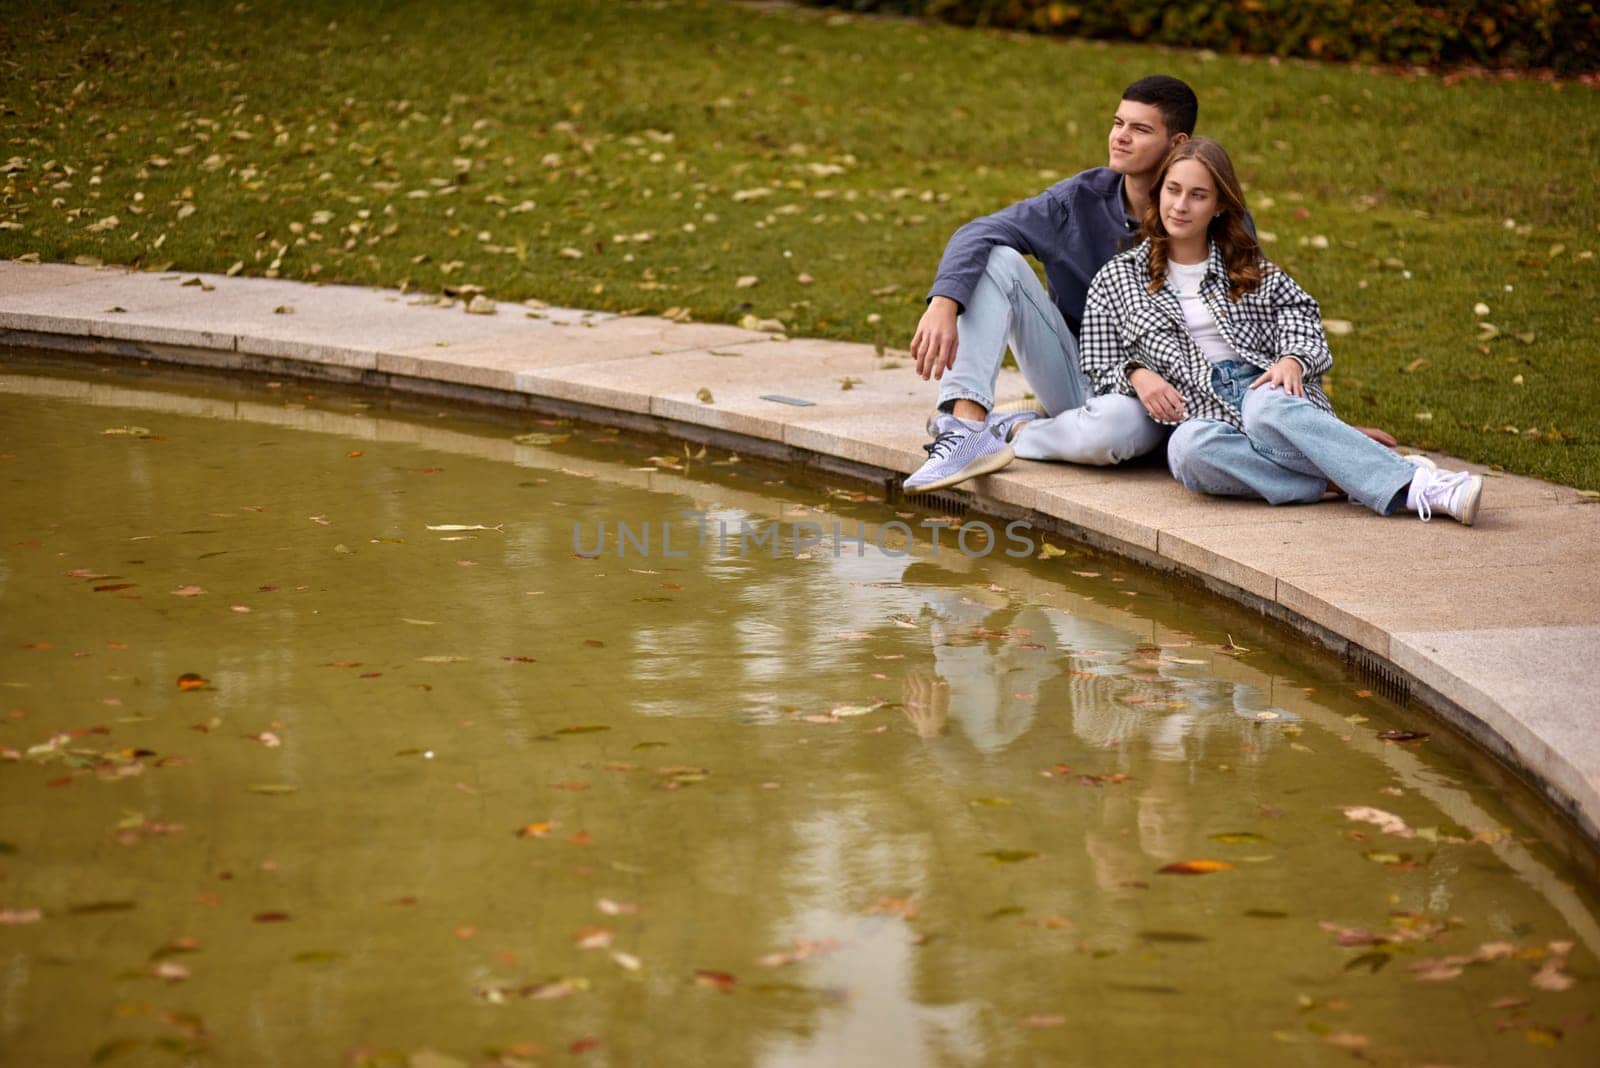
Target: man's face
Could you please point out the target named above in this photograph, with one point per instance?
(1139, 139)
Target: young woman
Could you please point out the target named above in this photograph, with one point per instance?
(1216, 340)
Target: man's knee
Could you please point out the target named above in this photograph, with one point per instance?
(1007, 264)
(1123, 427)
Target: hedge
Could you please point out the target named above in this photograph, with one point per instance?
(1500, 34)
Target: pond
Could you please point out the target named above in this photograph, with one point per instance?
(339, 731)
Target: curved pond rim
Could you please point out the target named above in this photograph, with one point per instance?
(1489, 746)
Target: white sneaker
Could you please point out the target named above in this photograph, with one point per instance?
(1420, 460)
(1455, 493)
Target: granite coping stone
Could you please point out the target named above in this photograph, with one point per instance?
(1498, 622)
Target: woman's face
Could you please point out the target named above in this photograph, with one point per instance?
(1188, 200)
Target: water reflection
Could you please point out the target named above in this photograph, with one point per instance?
(858, 808)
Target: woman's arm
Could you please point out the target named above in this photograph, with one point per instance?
(1113, 358)
(1298, 324)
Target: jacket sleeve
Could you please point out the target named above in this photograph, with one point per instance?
(1027, 226)
(1101, 351)
(1297, 322)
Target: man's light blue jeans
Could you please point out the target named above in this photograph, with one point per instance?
(1010, 307)
(1287, 453)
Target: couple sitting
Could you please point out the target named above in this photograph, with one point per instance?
(1192, 328)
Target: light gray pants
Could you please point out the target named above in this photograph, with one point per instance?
(1010, 307)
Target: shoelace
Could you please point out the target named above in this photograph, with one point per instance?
(1439, 487)
(943, 443)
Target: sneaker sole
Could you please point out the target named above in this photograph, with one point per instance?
(1026, 404)
(983, 465)
(1469, 510)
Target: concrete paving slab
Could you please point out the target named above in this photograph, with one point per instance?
(27, 277)
(1525, 683)
(1136, 502)
(1368, 606)
(622, 337)
(1343, 539)
(889, 437)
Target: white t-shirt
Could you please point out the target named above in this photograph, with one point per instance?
(1185, 279)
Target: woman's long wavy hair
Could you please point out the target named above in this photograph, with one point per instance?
(1241, 253)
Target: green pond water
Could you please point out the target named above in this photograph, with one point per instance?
(288, 777)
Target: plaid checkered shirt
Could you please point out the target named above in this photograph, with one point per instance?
(1126, 327)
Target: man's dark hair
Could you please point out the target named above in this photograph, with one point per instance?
(1177, 103)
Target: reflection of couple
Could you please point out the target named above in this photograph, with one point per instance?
(1190, 328)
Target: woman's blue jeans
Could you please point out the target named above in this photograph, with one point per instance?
(1287, 453)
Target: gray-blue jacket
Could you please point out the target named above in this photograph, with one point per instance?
(1074, 228)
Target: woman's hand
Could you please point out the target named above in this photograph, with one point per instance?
(1287, 374)
(1160, 399)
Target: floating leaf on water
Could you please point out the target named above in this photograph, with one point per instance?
(1009, 856)
(538, 438)
(1542, 1036)
(190, 681)
(585, 729)
(1237, 837)
(171, 971)
(1005, 912)
(992, 802)
(1194, 867)
(271, 917)
(1173, 937)
(1404, 736)
(844, 711)
(537, 830)
(716, 980)
(95, 908)
(1387, 822)
(1550, 976)
(594, 938)
(626, 961)
(1373, 960)
(114, 1048)
(273, 788)
(19, 917)
(188, 591)
(443, 659)
(1266, 914)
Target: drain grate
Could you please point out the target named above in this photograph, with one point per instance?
(1379, 677)
(940, 503)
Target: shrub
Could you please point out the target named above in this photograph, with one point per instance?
(1514, 34)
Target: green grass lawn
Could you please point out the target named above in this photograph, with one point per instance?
(798, 165)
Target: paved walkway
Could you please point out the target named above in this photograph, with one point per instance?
(1496, 627)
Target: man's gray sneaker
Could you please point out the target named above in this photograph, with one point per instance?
(959, 451)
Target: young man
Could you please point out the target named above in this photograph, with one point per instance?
(986, 295)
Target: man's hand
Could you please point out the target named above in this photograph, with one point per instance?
(934, 344)
(1287, 374)
(1160, 399)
